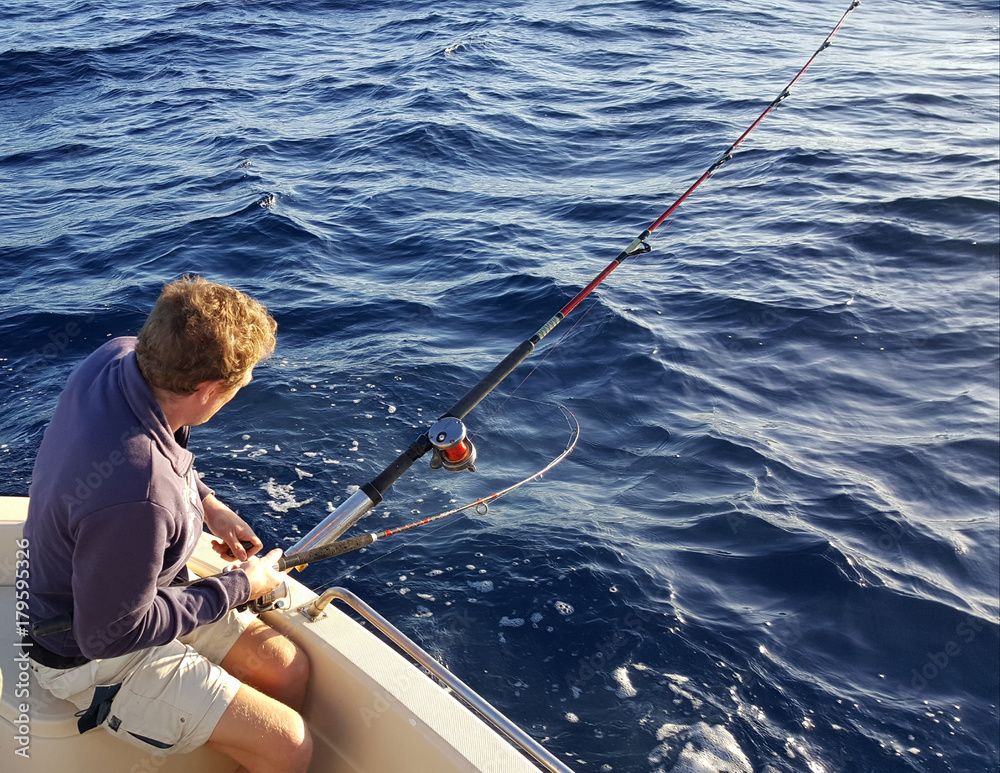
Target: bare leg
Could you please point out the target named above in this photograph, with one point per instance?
(266, 660)
(262, 734)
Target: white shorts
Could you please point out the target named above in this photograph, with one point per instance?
(171, 697)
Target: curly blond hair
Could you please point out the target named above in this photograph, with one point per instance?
(201, 331)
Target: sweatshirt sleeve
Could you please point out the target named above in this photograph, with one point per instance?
(118, 607)
(203, 489)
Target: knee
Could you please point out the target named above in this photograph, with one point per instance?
(263, 734)
(291, 678)
(286, 653)
(306, 748)
(290, 749)
(299, 667)
(299, 749)
(289, 745)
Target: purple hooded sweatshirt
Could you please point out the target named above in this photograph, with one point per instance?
(114, 515)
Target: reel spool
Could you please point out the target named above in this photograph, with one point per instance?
(452, 448)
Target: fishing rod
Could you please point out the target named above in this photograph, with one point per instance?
(278, 596)
(447, 438)
(339, 547)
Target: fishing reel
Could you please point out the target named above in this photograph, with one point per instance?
(452, 448)
(279, 598)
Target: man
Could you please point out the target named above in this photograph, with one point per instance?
(115, 512)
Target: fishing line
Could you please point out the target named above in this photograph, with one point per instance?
(300, 559)
(639, 246)
(294, 559)
(447, 439)
(550, 351)
(489, 417)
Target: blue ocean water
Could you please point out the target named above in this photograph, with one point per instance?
(776, 545)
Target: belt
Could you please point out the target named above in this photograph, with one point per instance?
(47, 657)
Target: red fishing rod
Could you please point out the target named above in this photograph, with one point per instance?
(330, 549)
(447, 438)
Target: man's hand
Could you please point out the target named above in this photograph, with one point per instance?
(262, 574)
(231, 529)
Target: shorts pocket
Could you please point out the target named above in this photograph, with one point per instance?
(146, 722)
